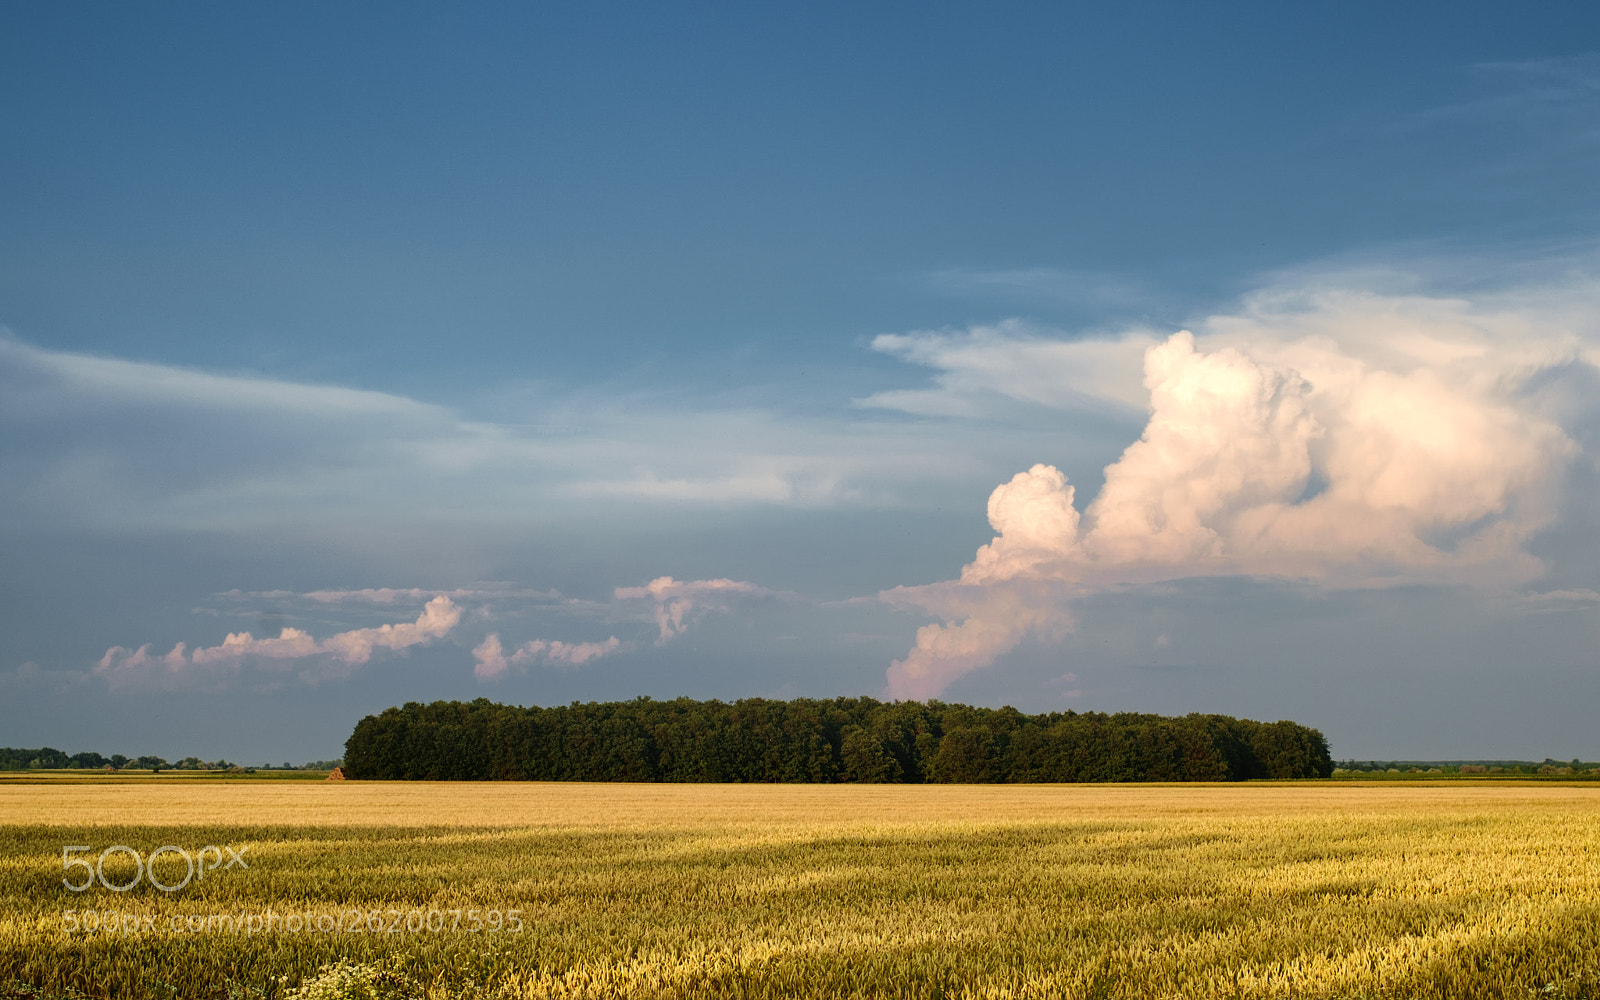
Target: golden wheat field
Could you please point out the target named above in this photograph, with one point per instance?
(1257, 890)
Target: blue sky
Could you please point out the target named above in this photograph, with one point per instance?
(314, 315)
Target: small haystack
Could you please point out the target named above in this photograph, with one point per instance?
(337, 774)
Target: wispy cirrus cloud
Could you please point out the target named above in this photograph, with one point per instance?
(1528, 92)
(394, 595)
(389, 595)
(1559, 601)
(1017, 361)
(117, 444)
(1053, 285)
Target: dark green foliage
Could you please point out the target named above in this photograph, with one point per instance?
(13, 759)
(845, 739)
(862, 758)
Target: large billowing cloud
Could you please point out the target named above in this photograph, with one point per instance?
(1345, 440)
(335, 656)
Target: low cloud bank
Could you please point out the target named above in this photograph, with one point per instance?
(336, 656)
(673, 606)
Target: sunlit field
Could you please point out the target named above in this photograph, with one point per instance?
(1311, 889)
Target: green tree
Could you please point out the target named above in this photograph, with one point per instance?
(966, 754)
(862, 758)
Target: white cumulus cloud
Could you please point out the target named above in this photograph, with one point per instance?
(492, 661)
(337, 655)
(1344, 439)
(678, 603)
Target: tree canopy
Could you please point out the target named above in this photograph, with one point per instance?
(807, 740)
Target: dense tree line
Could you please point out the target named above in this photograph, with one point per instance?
(845, 739)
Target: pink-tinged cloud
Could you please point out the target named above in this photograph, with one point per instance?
(1412, 449)
(678, 603)
(493, 662)
(981, 623)
(338, 654)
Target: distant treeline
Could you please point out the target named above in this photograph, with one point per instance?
(845, 739)
(49, 758)
(14, 759)
(1547, 767)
